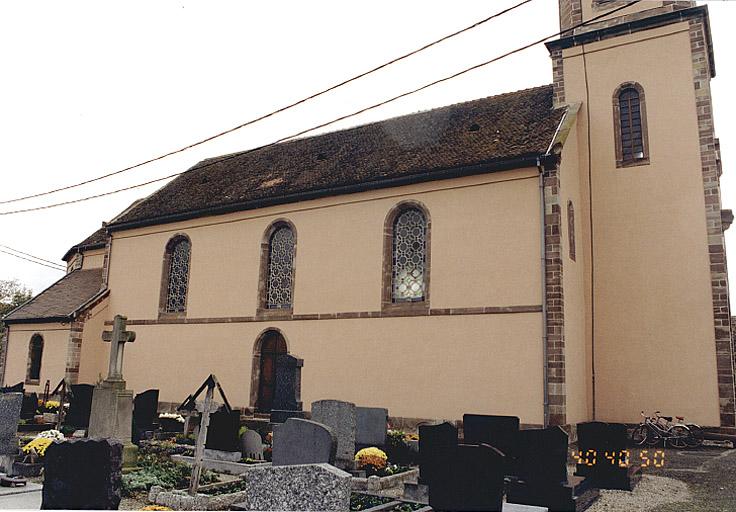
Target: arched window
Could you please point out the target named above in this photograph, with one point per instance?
(176, 275)
(406, 257)
(35, 353)
(632, 146)
(280, 268)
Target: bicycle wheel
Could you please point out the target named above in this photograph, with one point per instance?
(696, 435)
(679, 436)
(639, 435)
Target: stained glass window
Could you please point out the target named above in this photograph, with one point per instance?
(35, 353)
(409, 256)
(176, 295)
(280, 268)
(632, 141)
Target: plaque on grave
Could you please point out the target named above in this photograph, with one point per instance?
(437, 445)
(222, 433)
(251, 445)
(80, 406)
(606, 442)
(301, 441)
(83, 474)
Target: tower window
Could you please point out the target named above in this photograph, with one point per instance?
(175, 282)
(630, 124)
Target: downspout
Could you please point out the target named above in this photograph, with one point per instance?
(543, 267)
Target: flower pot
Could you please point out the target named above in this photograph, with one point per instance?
(38, 419)
(50, 417)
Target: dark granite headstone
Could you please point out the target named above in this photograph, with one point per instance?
(83, 474)
(301, 441)
(30, 406)
(10, 405)
(437, 446)
(222, 433)
(145, 412)
(473, 480)
(370, 426)
(288, 385)
(498, 431)
(80, 406)
(542, 473)
(602, 456)
(17, 388)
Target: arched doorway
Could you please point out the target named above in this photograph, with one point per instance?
(271, 345)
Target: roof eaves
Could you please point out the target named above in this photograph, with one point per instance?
(38, 320)
(527, 160)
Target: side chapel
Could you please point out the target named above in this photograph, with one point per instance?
(555, 253)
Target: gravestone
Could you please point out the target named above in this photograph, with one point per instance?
(17, 388)
(498, 431)
(542, 476)
(302, 487)
(29, 407)
(287, 400)
(252, 445)
(10, 405)
(437, 445)
(473, 480)
(300, 441)
(370, 426)
(602, 448)
(340, 417)
(222, 433)
(145, 412)
(83, 474)
(80, 406)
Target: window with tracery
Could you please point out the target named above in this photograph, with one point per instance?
(280, 278)
(35, 352)
(178, 255)
(409, 256)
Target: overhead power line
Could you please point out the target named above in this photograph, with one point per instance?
(32, 261)
(333, 121)
(32, 256)
(273, 113)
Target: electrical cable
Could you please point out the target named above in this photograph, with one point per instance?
(31, 255)
(36, 262)
(277, 111)
(322, 125)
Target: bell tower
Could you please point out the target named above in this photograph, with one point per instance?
(644, 177)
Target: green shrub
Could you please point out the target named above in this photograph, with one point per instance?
(157, 469)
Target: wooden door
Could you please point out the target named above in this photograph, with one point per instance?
(272, 345)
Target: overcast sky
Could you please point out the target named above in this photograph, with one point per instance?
(90, 87)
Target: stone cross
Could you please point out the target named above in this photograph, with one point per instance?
(118, 337)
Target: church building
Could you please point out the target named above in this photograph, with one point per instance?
(555, 253)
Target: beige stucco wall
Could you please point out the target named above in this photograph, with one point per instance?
(654, 340)
(95, 353)
(93, 259)
(485, 251)
(53, 358)
(577, 313)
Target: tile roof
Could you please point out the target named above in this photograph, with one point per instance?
(61, 299)
(96, 240)
(488, 131)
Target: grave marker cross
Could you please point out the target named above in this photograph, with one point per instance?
(118, 337)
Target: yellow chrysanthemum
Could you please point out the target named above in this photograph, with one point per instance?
(38, 446)
(52, 404)
(155, 507)
(371, 457)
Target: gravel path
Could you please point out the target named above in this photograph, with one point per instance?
(651, 492)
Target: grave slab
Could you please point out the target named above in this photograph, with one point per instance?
(252, 445)
(370, 427)
(10, 407)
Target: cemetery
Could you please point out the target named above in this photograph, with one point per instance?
(102, 444)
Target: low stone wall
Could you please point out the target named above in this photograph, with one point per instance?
(180, 500)
(375, 483)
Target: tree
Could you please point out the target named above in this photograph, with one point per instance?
(12, 295)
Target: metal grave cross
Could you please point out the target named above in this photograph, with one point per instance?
(118, 337)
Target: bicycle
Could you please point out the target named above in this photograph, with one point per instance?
(697, 433)
(652, 430)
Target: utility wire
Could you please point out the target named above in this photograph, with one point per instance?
(32, 261)
(341, 118)
(278, 111)
(31, 255)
